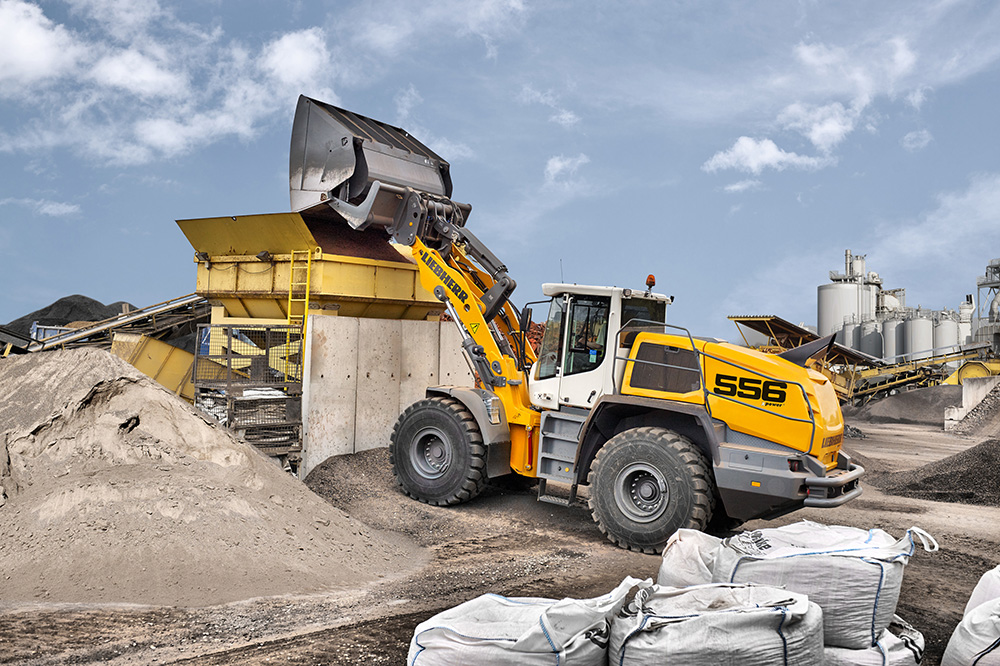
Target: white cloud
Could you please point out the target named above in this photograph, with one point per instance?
(32, 47)
(943, 236)
(565, 117)
(452, 151)
(917, 97)
(753, 156)
(123, 19)
(916, 140)
(299, 61)
(406, 100)
(389, 28)
(43, 206)
(748, 185)
(560, 115)
(559, 168)
(960, 225)
(138, 74)
(825, 126)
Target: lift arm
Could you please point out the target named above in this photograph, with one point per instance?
(365, 173)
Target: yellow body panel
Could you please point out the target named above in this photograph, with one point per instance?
(757, 394)
(168, 365)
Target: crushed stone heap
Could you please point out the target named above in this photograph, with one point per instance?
(923, 406)
(984, 419)
(968, 477)
(114, 490)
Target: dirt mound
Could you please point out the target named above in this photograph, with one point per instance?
(984, 419)
(924, 406)
(118, 491)
(969, 477)
(65, 310)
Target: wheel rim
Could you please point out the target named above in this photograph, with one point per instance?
(430, 453)
(641, 492)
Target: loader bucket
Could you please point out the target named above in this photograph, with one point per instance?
(356, 166)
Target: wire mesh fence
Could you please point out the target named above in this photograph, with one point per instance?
(249, 377)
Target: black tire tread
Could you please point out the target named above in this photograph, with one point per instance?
(699, 471)
(475, 475)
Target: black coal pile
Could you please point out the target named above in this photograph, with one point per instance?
(65, 310)
(969, 477)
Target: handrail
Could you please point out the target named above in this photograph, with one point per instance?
(700, 368)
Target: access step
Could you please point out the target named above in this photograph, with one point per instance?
(560, 499)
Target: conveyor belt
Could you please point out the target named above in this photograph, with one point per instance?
(115, 322)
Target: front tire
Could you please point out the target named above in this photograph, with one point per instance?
(437, 452)
(647, 483)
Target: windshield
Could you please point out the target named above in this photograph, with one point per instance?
(548, 355)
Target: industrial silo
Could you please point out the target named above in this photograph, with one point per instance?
(945, 333)
(889, 335)
(918, 333)
(836, 303)
(850, 335)
(870, 338)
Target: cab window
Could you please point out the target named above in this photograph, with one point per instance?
(550, 350)
(588, 331)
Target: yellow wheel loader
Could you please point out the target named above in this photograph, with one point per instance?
(667, 430)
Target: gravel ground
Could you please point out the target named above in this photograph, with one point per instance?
(503, 541)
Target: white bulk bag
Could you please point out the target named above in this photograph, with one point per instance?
(709, 625)
(987, 589)
(976, 640)
(854, 575)
(496, 630)
(899, 645)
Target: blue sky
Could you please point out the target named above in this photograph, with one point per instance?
(734, 149)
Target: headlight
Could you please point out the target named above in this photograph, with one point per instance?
(493, 409)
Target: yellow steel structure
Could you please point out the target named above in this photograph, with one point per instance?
(250, 265)
(972, 370)
(168, 365)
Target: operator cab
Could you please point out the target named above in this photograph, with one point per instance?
(576, 361)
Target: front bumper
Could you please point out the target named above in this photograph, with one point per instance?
(827, 492)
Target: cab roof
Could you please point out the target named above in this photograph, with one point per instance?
(559, 288)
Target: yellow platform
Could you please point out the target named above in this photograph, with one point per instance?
(244, 264)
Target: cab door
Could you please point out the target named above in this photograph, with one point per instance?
(571, 367)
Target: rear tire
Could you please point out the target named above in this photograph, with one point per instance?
(647, 483)
(437, 452)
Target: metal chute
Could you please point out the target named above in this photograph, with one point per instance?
(359, 167)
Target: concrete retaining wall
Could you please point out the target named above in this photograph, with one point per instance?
(974, 390)
(361, 373)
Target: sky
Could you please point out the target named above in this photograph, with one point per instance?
(732, 149)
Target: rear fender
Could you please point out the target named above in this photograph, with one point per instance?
(616, 413)
(496, 437)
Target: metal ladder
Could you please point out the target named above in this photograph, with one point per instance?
(299, 286)
(299, 278)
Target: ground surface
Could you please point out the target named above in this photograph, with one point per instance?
(504, 542)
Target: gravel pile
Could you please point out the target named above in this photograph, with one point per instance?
(923, 406)
(969, 477)
(984, 420)
(65, 310)
(112, 489)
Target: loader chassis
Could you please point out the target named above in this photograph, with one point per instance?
(667, 430)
